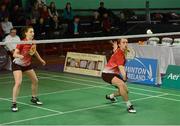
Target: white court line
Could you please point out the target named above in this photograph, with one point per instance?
(90, 86)
(55, 92)
(79, 110)
(103, 87)
(115, 89)
(102, 105)
(97, 106)
(72, 77)
(5, 77)
(172, 99)
(68, 77)
(35, 106)
(50, 78)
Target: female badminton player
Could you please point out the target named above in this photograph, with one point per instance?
(22, 64)
(112, 71)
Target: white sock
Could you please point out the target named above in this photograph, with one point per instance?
(128, 103)
(111, 95)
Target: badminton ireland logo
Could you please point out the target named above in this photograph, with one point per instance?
(142, 70)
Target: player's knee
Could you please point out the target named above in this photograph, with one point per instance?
(120, 86)
(35, 81)
(18, 83)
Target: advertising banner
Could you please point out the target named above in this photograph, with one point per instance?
(172, 77)
(142, 70)
(86, 64)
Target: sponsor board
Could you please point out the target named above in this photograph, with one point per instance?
(86, 64)
(142, 70)
(172, 77)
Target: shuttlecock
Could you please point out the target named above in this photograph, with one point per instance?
(149, 31)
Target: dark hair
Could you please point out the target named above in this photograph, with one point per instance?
(68, 3)
(25, 29)
(13, 29)
(101, 3)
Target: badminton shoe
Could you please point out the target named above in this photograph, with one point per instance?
(111, 99)
(36, 101)
(14, 107)
(131, 109)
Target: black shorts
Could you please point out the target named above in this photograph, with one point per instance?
(22, 68)
(107, 77)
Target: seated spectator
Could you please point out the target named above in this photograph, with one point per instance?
(52, 10)
(55, 27)
(106, 23)
(122, 23)
(68, 13)
(6, 25)
(45, 13)
(96, 24)
(35, 12)
(3, 12)
(11, 37)
(75, 28)
(18, 12)
(41, 30)
(102, 9)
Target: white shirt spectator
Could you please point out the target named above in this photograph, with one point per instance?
(6, 26)
(11, 38)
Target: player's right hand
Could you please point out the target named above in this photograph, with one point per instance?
(21, 56)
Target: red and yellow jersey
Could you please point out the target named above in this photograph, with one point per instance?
(24, 50)
(117, 59)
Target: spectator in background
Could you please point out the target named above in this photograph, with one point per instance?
(43, 2)
(96, 24)
(102, 10)
(75, 28)
(68, 14)
(55, 27)
(41, 29)
(12, 37)
(122, 23)
(45, 13)
(6, 25)
(35, 12)
(33, 23)
(1, 32)
(18, 16)
(52, 10)
(29, 5)
(3, 12)
(11, 46)
(6, 3)
(106, 23)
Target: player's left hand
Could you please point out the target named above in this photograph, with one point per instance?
(43, 62)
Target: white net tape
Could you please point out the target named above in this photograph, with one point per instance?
(97, 38)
